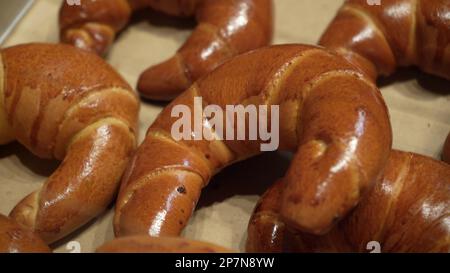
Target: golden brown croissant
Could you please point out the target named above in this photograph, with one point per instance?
(408, 210)
(225, 29)
(379, 38)
(64, 103)
(148, 244)
(332, 115)
(16, 239)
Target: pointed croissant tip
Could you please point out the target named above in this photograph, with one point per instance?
(163, 82)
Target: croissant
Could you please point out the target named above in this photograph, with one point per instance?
(332, 115)
(225, 29)
(147, 244)
(64, 103)
(408, 210)
(16, 239)
(379, 38)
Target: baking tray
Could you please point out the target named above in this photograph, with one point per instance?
(419, 107)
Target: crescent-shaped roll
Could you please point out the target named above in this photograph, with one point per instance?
(65, 103)
(408, 210)
(330, 115)
(380, 38)
(225, 28)
(446, 153)
(16, 239)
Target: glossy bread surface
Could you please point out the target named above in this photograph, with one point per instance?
(15, 239)
(330, 114)
(226, 28)
(407, 210)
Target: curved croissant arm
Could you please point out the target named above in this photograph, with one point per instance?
(446, 153)
(408, 210)
(64, 103)
(147, 244)
(225, 29)
(379, 38)
(16, 239)
(93, 24)
(332, 116)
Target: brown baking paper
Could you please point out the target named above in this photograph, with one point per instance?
(419, 107)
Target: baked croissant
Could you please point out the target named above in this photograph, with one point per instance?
(64, 103)
(147, 244)
(225, 29)
(379, 38)
(16, 239)
(408, 210)
(332, 115)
